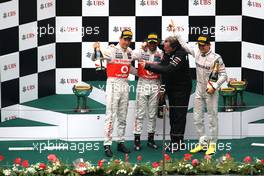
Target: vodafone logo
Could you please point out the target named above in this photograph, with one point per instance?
(124, 69)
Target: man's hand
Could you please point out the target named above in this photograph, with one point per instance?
(142, 62)
(96, 45)
(144, 46)
(210, 89)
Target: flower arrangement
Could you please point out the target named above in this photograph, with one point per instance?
(188, 165)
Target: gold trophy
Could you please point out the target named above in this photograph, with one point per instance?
(229, 98)
(82, 93)
(240, 86)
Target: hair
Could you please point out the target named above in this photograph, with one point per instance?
(174, 43)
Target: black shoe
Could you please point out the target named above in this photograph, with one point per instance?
(137, 145)
(122, 148)
(108, 151)
(151, 143)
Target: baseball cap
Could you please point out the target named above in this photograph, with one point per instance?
(126, 34)
(203, 39)
(152, 38)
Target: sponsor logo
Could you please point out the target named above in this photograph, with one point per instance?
(46, 57)
(254, 4)
(28, 88)
(149, 2)
(10, 66)
(117, 28)
(254, 56)
(95, 3)
(69, 81)
(202, 2)
(228, 28)
(46, 5)
(9, 14)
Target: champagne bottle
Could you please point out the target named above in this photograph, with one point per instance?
(98, 59)
(213, 77)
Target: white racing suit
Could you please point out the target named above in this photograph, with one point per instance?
(117, 91)
(147, 98)
(204, 66)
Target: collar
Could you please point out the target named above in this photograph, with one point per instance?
(206, 54)
(119, 47)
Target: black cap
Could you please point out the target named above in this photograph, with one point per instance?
(127, 34)
(203, 40)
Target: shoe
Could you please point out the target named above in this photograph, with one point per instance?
(137, 145)
(122, 148)
(151, 143)
(211, 150)
(108, 151)
(197, 149)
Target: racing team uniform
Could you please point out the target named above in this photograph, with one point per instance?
(147, 98)
(117, 91)
(204, 65)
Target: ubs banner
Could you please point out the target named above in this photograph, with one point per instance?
(45, 45)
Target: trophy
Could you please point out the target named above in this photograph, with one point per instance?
(82, 92)
(240, 86)
(228, 97)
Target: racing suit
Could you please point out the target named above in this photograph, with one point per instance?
(147, 98)
(117, 90)
(204, 65)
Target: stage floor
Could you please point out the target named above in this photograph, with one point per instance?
(239, 149)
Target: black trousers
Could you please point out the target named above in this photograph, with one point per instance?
(178, 102)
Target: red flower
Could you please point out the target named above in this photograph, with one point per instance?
(139, 158)
(187, 157)
(82, 165)
(2, 157)
(81, 172)
(42, 166)
(167, 157)
(17, 161)
(25, 163)
(262, 161)
(247, 159)
(207, 157)
(228, 156)
(100, 163)
(195, 162)
(155, 164)
(52, 158)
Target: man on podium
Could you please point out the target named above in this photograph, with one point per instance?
(119, 59)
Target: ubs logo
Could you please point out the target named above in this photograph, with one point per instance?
(202, 2)
(46, 5)
(254, 4)
(9, 66)
(228, 28)
(28, 36)
(46, 57)
(9, 14)
(117, 28)
(149, 2)
(28, 88)
(254, 56)
(95, 3)
(69, 81)
(69, 29)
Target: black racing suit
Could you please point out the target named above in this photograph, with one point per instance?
(174, 69)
